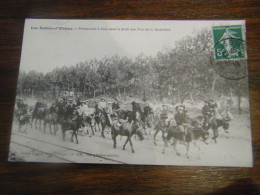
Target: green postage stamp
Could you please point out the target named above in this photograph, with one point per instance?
(229, 42)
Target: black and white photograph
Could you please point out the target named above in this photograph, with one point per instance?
(144, 92)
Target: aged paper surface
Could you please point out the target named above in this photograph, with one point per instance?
(133, 92)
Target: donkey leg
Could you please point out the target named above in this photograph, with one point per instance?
(144, 127)
(226, 134)
(151, 128)
(35, 123)
(131, 145)
(198, 147)
(72, 135)
(215, 135)
(40, 124)
(95, 125)
(175, 148)
(164, 146)
(98, 125)
(56, 129)
(102, 133)
(50, 129)
(19, 124)
(76, 136)
(125, 143)
(63, 135)
(154, 137)
(163, 138)
(187, 149)
(114, 139)
(44, 126)
(32, 122)
(25, 130)
(92, 129)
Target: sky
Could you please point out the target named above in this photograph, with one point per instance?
(47, 44)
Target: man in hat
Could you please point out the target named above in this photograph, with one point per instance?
(69, 109)
(39, 104)
(53, 108)
(22, 107)
(206, 112)
(84, 108)
(109, 107)
(136, 110)
(147, 112)
(213, 109)
(115, 106)
(164, 115)
(147, 109)
(102, 106)
(19, 104)
(181, 120)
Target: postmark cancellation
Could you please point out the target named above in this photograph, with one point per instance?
(229, 52)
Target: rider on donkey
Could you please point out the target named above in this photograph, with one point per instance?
(147, 109)
(39, 105)
(213, 110)
(69, 110)
(115, 107)
(206, 112)
(52, 108)
(102, 107)
(19, 104)
(164, 115)
(136, 109)
(22, 107)
(181, 120)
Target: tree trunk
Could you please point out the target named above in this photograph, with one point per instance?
(153, 96)
(239, 102)
(231, 94)
(84, 90)
(119, 94)
(178, 95)
(144, 98)
(172, 98)
(213, 86)
(104, 90)
(191, 97)
(21, 91)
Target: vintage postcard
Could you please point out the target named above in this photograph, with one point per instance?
(133, 92)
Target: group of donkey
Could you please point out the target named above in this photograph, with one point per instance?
(40, 115)
(123, 124)
(195, 130)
